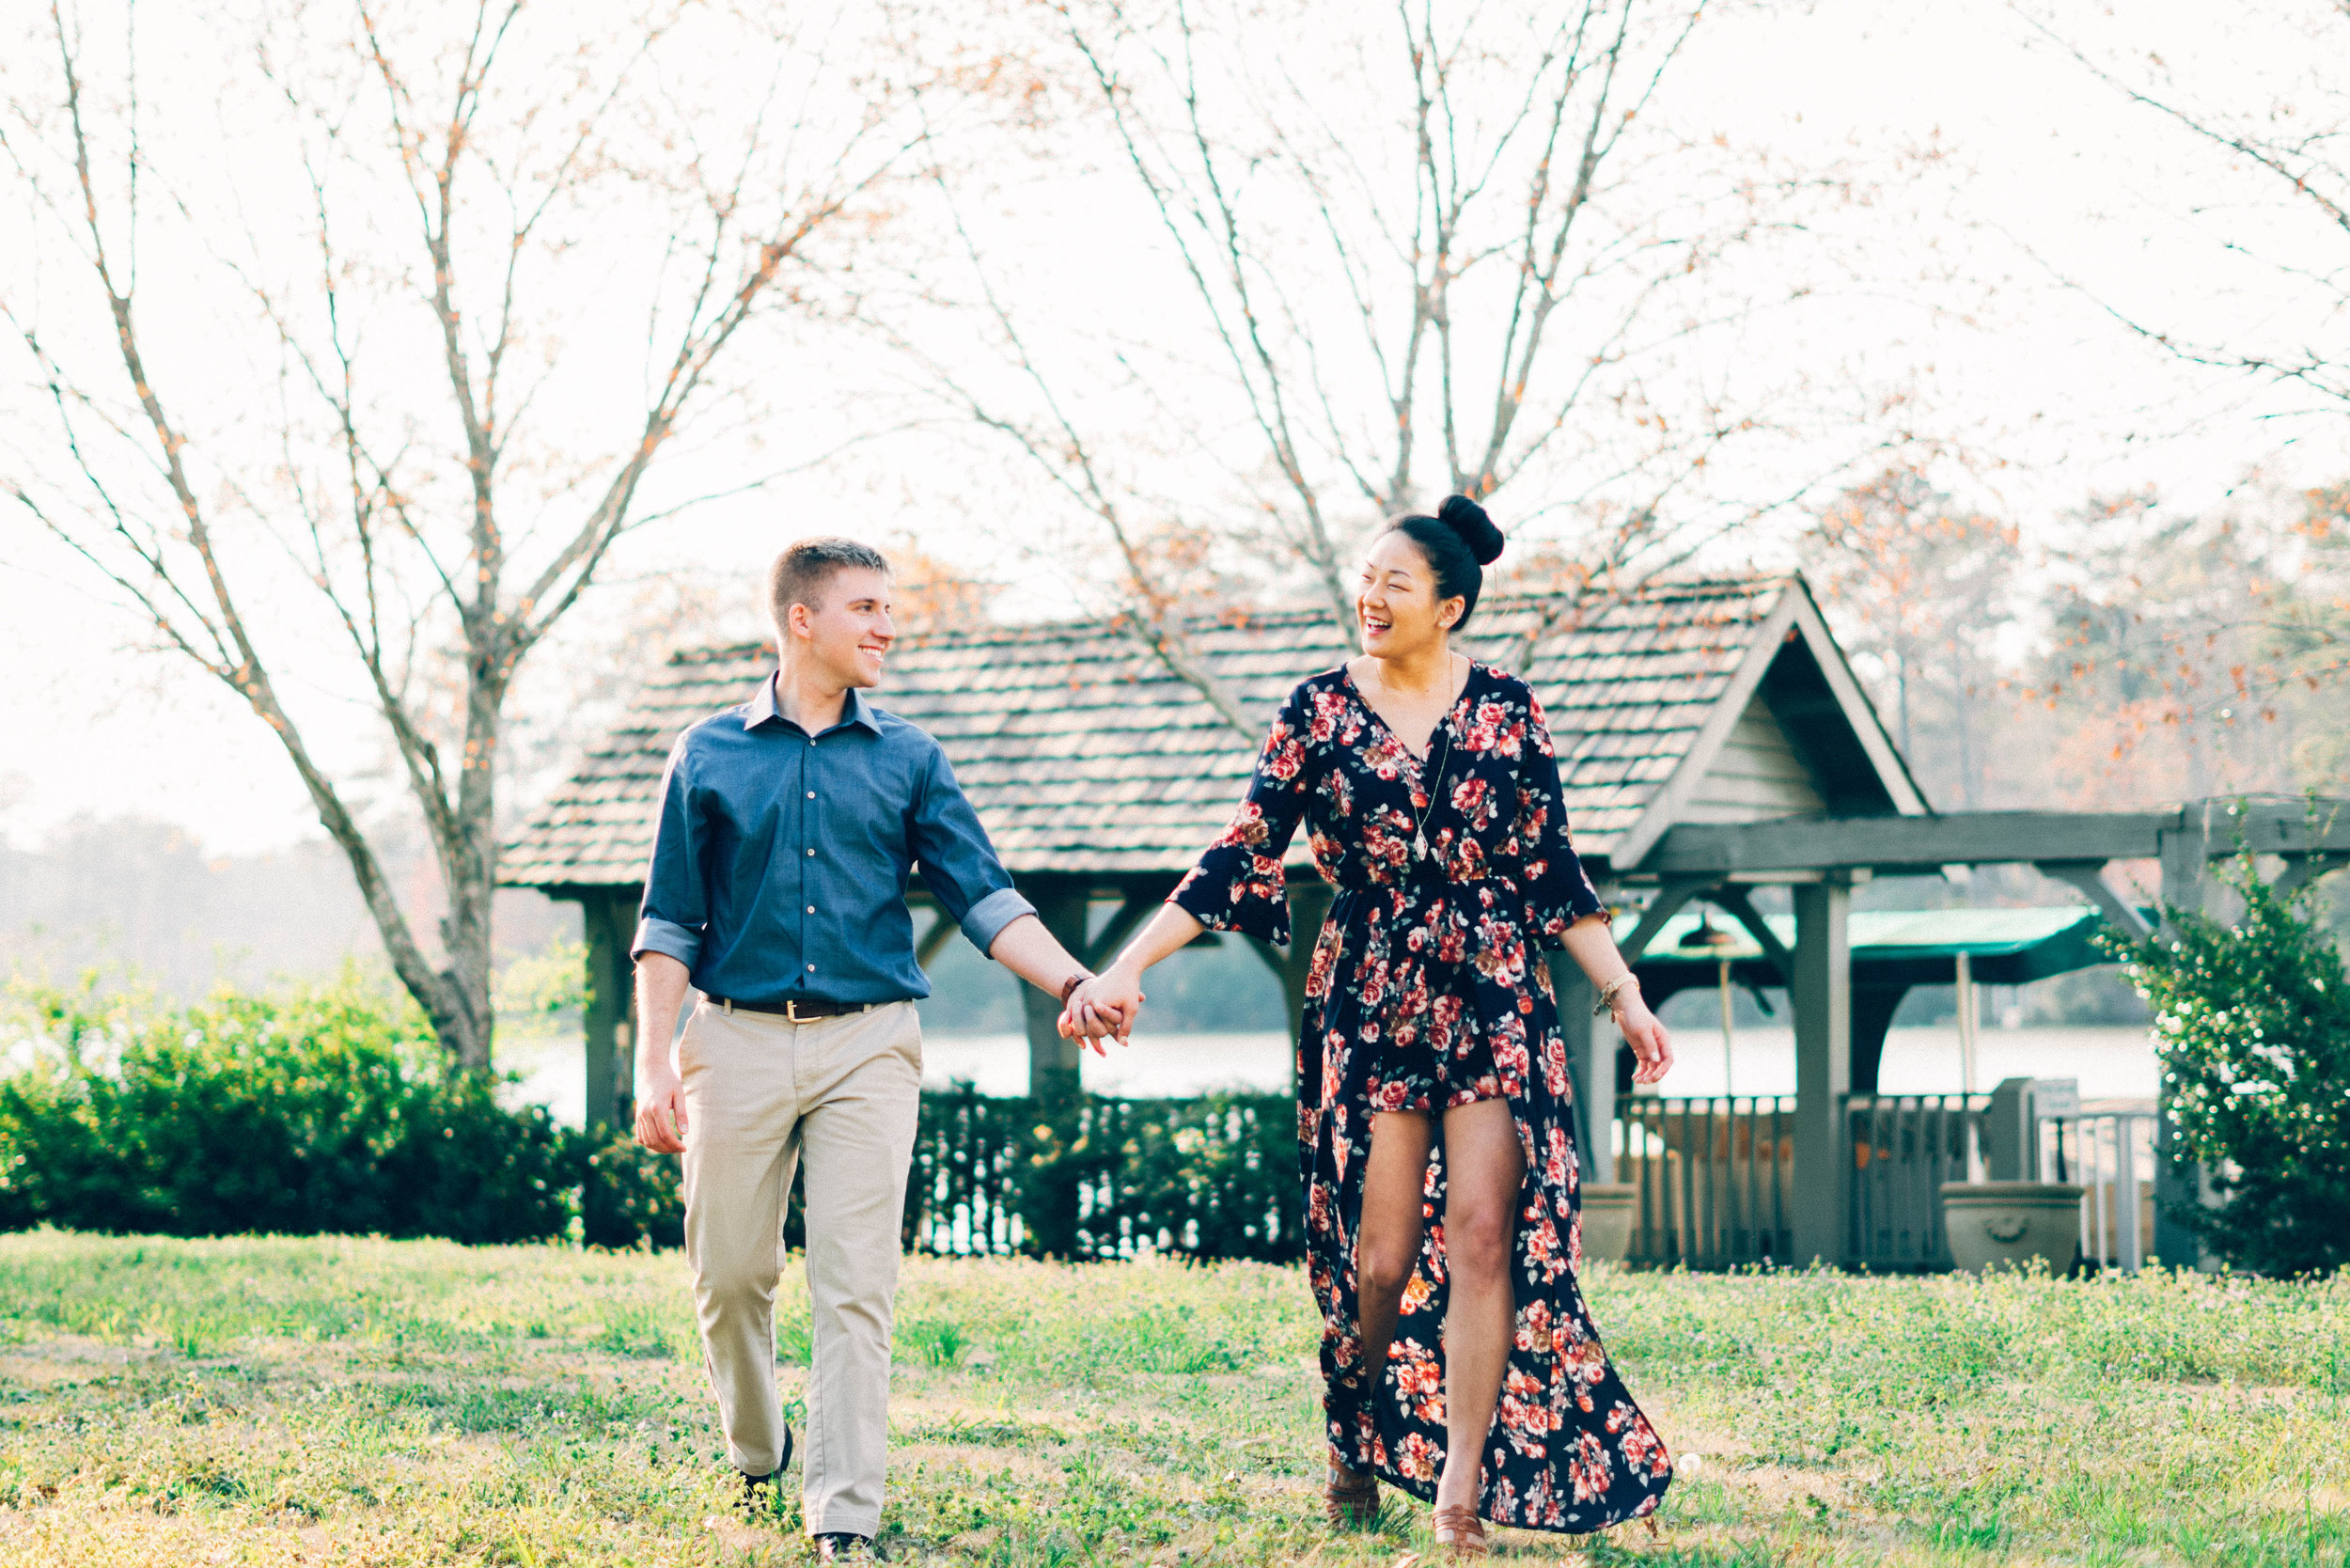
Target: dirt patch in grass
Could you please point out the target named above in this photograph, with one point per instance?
(67, 1358)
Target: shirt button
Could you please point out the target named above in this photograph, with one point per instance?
(812, 909)
(811, 968)
(811, 854)
(811, 794)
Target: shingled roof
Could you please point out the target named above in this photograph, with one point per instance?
(1083, 755)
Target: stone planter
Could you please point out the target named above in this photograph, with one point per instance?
(1991, 1223)
(1609, 1210)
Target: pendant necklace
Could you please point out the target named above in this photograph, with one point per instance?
(1435, 783)
(1420, 837)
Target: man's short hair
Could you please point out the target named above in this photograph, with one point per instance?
(802, 571)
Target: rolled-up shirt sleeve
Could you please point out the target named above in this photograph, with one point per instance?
(959, 865)
(676, 910)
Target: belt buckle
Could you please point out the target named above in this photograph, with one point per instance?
(792, 1011)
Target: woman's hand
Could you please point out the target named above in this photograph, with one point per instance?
(1652, 1047)
(1104, 1006)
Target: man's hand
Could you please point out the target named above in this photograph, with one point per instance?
(1028, 950)
(660, 1108)
(661, 989)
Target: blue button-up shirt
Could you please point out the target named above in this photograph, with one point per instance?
(780, 863)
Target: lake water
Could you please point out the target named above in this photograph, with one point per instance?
(2111, 1062)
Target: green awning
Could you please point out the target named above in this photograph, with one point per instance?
(1912, 947)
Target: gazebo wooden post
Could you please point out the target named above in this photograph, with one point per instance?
(2185, 860)
(1062, 903)
(607, 918)
(1590, 1065)
(1310, 905)
(1591, 1050)
(1821, 998)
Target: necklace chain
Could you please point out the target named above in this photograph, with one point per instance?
(1380, 671)
(1432, 780)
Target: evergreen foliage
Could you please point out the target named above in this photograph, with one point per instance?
(329, 1110)
(2253, 1029)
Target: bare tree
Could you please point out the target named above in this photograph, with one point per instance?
(2293, 147)
(2181, 656)
(2271, 188)
(526, 234)
(1923, 588)
(1414, 249)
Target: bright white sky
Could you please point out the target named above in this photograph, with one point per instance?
(2043, 163)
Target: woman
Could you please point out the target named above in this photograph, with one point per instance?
(1439, 1163)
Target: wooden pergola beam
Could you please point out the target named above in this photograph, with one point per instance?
(2088, 877)
(1739, 903)
(1892, 845)
(2309, 868)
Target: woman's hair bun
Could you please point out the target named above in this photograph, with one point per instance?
(1467, 519)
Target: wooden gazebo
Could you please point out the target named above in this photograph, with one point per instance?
(1712, 738)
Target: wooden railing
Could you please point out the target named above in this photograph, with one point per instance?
(1216, 1177)
(1904, 1147)
(1715, 1175)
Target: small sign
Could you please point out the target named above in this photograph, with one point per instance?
(2057, 1099)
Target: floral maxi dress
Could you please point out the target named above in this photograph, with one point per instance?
(1425, 994)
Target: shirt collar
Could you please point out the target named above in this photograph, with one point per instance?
(762, 708)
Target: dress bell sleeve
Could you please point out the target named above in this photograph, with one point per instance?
(1558, 892)
(1238, 884)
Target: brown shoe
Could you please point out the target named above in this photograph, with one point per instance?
(1350, 1501)
(1460, 1531)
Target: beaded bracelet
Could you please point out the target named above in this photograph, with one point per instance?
(1614, 988)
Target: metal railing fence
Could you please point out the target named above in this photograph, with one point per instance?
(2112, 1154)
(1097, 1178)
(1715, 1175)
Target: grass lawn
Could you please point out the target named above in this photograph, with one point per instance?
(358, 1401)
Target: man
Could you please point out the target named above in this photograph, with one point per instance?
(788, 827)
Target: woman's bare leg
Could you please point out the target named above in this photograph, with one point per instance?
(1483, 1170)
(1386, 1239)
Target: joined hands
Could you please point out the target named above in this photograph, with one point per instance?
(1104, 1008)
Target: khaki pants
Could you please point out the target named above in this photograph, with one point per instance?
(759, 1091)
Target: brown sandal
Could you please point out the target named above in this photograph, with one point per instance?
(1350, 1501)
(1459, 1529)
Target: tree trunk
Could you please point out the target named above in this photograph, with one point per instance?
(470, 872)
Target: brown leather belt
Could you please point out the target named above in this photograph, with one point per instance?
(798, 1010)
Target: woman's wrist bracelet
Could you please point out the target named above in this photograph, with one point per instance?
(1613, 989)
(1068, 986)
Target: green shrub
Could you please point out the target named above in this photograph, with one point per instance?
(329, 1110)
(631, 1196)
(2252, 1028)
(317, 1111)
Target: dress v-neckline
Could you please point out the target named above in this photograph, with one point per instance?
(1419, 758)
